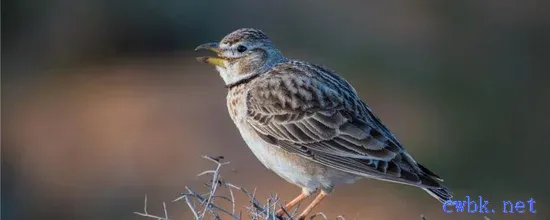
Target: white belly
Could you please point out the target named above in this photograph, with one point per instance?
(271, 156)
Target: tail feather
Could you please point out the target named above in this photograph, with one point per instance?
(429, 172)
(442, 194)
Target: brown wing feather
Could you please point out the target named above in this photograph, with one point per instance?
(312, 112)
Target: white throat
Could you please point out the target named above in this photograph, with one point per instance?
(230, 77)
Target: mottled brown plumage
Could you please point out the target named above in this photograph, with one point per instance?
(307, 124)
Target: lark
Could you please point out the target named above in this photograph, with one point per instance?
(307, 124)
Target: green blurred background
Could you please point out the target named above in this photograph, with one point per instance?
(103, 101)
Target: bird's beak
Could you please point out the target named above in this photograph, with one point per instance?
(214, 47)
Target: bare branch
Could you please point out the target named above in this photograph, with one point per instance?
(232, 200)
(318, 214)
(205, 204)
(146, 214)
(191, 207)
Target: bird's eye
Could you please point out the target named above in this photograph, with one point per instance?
(241, 48)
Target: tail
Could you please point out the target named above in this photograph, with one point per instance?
(441, 192)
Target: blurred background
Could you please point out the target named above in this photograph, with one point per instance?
(103, 101)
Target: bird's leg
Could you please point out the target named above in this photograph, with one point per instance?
(315, 202)
(292, 203)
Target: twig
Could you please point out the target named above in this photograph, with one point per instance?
(318, 214)
(214, 180)
(146, 214)
(232, 200)
(192, 207)
(203, 200)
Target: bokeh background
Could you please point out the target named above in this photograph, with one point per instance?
(103, 101)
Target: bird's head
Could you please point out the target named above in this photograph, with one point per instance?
(242, 54)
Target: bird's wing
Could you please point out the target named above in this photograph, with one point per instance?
(310, 111)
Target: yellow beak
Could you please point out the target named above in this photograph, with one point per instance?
(216, 61)
(213, 61)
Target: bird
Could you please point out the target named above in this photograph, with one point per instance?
(307, 124)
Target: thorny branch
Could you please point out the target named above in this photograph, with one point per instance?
(146, 214)
(203, 205)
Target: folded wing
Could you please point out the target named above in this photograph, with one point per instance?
(310, 111)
